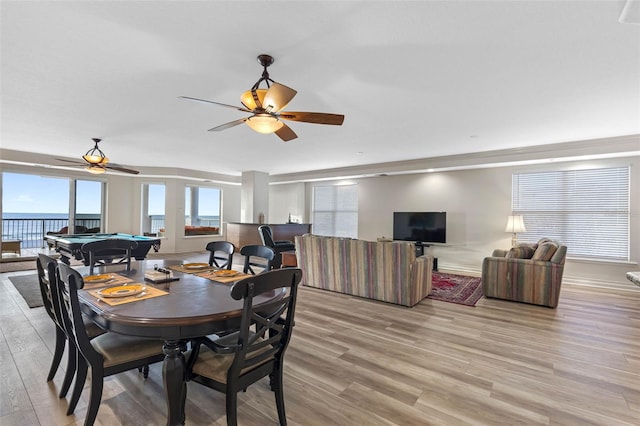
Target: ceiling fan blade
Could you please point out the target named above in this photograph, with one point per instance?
(228, 125)
(313, 117)
(216, 103)
(285, 133)
(277, 97)
(120, 168)
(72, 161)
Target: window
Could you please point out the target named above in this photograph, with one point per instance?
(335, 211)
(202, 211)
(588, 210)
(88, 206)
(33, 206)
(153, 196)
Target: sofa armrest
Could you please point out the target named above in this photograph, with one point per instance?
(420, 279)
(499, 253)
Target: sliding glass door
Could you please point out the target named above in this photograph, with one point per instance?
(34, 205)
(88, 206)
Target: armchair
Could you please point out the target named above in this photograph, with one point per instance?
(529, 273)
(266, 235)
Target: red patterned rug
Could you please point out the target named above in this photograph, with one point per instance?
(456, 288)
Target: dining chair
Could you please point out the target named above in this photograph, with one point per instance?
(46, 267)
(278, 246)
(257, 256)
(221, 251)
(107, 354)
(233, 362)
(108, 252)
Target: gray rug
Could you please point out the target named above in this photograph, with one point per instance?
(29, 288)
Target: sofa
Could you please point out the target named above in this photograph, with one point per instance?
(385, 271)
(528, 273)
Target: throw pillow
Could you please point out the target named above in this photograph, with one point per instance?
(520, 252)
(545, 240)
(545, 251)
(534, 246)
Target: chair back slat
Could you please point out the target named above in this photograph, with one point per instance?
(69, 281)
(257, 256)
(43, 264)
(221, 251)
(110, 251)
(265, 328)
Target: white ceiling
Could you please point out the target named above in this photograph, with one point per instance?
(414, 79)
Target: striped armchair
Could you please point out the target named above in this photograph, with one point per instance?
(386, 271)
(530, 273)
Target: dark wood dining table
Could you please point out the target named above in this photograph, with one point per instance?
(193, 307)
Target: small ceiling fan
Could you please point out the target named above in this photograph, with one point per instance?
(97, 162)
(266, 107)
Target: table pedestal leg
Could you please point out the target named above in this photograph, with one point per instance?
(175, 386)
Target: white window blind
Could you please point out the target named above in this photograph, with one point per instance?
(335, 211)
(588, 210)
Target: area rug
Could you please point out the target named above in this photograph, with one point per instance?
(458, 289)
(29, 289)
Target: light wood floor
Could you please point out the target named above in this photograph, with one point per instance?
(358, 362)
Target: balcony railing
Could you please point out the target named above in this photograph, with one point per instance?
(31, 232)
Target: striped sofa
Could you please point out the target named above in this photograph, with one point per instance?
(386, 271)
(530, 273)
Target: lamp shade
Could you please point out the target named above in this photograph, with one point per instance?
(95, 169)
(264, 123)
(247, 98)
(515, 224)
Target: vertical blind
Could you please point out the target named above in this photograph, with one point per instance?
(335, 211)
(588, 210)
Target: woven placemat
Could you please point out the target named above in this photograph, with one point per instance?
(211, 275)
(182, 269)
(148, 293)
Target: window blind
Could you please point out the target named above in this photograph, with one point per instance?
(335, 211)
(588, 210)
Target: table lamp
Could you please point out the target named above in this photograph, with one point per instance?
(515, 224)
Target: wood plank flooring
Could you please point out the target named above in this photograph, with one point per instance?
(353, 361)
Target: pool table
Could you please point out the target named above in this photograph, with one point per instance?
(70, 245)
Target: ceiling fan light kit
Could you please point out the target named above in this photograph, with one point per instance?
(248, 101)
(97, 163)
(266, 107)
(264, 123)
(95, 169)
(95, 155)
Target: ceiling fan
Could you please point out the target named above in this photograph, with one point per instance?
(266, 107)
(96, 162)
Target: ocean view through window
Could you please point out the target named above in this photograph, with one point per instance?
(33, 205)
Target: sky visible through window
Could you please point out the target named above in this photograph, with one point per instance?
(22, 193)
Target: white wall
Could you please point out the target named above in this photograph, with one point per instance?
(477, 203)
(287, 199)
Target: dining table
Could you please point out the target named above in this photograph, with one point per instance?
(193, 304)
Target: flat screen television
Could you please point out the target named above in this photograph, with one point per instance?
(422, 227)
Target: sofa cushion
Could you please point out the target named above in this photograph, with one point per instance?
(545, 251)
(534, 246)
(520, 252)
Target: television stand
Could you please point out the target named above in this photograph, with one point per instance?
(420, 252)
